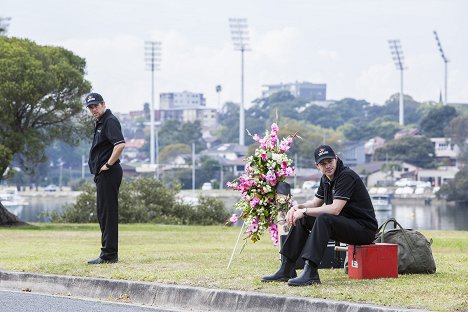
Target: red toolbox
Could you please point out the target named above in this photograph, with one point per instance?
(372, 261)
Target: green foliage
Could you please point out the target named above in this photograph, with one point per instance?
(392, 108)
(83, 211)
(146, 201)
(336, 114)
(209, 211)
(355, 131)
(173, 150)
(5, 158)
(40, 90)
(436, 120)
(173, 132)
(418, 151)
(457, 189)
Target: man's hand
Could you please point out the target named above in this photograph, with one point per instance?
(294, 214)
(289, 215)
(103, 168)
(297, 215)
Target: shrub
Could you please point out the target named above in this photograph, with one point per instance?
(145, 200)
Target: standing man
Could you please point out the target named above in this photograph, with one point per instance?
(341, 210)
(104, 163)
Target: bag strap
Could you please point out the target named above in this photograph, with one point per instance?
(395, 224)
(386, 222)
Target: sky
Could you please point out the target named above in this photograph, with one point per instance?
(341, 43)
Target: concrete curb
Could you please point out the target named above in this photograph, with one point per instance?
(173, 296)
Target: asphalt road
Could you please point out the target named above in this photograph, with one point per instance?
(11, 301)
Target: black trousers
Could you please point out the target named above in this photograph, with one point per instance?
(107, 185)
(310, 235)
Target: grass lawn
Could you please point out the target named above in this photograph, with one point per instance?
(198, 256)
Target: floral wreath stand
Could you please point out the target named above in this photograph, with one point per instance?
(283, 202)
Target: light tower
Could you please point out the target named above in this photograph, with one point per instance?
(240, 38)
(153, 61)
(445, 59)
(397, 55)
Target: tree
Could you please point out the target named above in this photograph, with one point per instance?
(436, 120)
(418, 151)
(173, 150)
(40, 90)
(4, 23)
(457, 130)
(457, 189)
(392, 107)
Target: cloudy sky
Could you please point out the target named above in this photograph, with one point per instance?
(340, 43)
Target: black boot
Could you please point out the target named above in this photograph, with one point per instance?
(308, 277)
(286, 271)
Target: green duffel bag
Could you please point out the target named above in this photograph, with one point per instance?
(414, 250)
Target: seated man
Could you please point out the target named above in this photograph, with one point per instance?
(341, 210)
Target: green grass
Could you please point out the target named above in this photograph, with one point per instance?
(198, 256)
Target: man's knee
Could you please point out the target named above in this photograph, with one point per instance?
(324, 218)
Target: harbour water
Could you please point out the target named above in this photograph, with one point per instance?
(410, 213)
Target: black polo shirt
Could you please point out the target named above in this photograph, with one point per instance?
(347, 185)
(107, 134)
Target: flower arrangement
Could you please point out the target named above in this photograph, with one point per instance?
(263, 171)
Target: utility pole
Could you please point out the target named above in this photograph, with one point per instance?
(153, 61)
(83, 164)
(397, 55)
(445, 59)
(240, 38)
(218, 90)
(221, 178)
(193, 167)
(296, 170)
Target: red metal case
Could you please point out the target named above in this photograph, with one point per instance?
(372, 261)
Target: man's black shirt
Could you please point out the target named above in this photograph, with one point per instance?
(107, 134)
(347, 185)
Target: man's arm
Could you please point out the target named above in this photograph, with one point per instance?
(116, 152)
(334, 209)
(314, 202)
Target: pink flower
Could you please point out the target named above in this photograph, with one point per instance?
(274, 127)
(273, 139)
(253, 228)
(254, 202)
(264, 157)
(273, 229)
(271, 177)
(256, 137)
(234, 218)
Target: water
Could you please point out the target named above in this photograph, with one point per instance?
(439, 215)
(34, 211)
(410, 213)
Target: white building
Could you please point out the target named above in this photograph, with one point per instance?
(187, 107)
(306, 90)
(446, 150)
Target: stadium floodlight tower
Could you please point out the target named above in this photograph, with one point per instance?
(240, 37)
(442, 54)
(397, 55)
(153, 61)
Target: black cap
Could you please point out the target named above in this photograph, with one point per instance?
(93, 98)
(283, 188)
(323, 152)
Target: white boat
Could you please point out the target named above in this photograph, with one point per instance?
(381, 202)
(13, 202)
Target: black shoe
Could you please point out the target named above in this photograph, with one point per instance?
(101, 260)
(308, 277)
(286, 271)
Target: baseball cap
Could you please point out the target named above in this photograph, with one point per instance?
(323, 152)
(93, 98)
